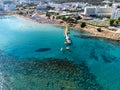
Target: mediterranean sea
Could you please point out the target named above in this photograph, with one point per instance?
(31, 58)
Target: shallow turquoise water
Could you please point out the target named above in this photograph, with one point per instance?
(19, 39)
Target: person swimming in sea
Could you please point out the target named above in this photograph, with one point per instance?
(62, 50)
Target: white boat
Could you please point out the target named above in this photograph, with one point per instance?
(68, 41)
(67, 37)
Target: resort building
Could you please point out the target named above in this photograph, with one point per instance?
(21, 2)
(98, 11)
(104, 11)
(32, 1)
(80, 5)
(89, 11)
(116, 11)
(56, 6)
(115, 14)
(41, 6)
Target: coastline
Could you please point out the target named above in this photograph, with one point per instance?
(26, 18)
(106, 33)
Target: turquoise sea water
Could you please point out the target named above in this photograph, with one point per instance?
(24, 47)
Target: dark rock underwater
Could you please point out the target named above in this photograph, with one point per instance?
(47, 74)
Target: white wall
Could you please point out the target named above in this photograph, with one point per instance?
(104, 11)
(89, 11)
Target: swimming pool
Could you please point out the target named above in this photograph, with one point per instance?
(30, 58)
(96, 19)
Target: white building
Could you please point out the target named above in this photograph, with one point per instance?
(56, 6)
(116, 5)
(20, 2)
(80, 5)
(1, 6)
(98, 11)
(115, 14)
(76, 4)
(41, 6)
(88, 11)
(32, 1)
(104, 11)
(9, 7)
(116, 11)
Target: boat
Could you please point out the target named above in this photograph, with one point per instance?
(65, 42)
(68, 41)
(67, 37)
(67, 48)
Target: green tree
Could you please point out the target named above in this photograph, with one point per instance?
(69, 20)
(78, 18)
(112, 22)
(119, 19)
(64, 18)
(116, 22)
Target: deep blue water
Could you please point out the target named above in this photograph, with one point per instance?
(24, 45)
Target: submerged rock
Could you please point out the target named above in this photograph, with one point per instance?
(42, 49)
(86, 36)
(93, 55)
(106, 59)
(71, 76)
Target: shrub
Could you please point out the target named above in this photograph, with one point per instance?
(70, 20)
(64, 18)
(20, 13)
(78, 18)
(116, 22)
(83, 24)
(99, 29)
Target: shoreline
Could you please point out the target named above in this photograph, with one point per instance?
(105, 33)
